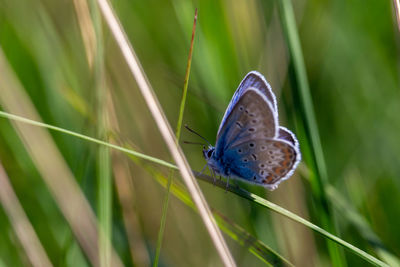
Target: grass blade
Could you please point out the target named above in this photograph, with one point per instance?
(255, 246)
(20, 222)
(236, 190)
(265, 203)
(177, 134)
(320, 179)
(125, 190)
(352, 216)
(166, 132)
(87, 138)
(52, 166)
(104, 185)
(397, 11)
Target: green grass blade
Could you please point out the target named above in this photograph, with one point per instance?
(238, 191)
(320, 179)
(346, 210)
(88, 138)
(20, 222)
(177, 134)
(186, 82)
(267, 204)
(164, 127)
(104, 184)
(255, 246)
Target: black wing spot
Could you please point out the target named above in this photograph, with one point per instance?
(254, 156)
(241, 108)
(254, 121)
(251, 129)
(254, 177)
(251, 145)
(262, 165)
(239, 125)
(245, 160)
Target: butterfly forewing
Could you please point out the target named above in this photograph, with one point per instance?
(265, 162)
(251, 118)
(252, 80)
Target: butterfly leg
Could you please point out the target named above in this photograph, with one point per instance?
(213, 175)
(227, 184)
(204, 168)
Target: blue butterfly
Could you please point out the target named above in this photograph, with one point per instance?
(250, 145)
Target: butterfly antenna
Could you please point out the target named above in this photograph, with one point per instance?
(190, 130)
(193, 143)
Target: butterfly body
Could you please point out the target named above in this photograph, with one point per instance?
(251, 146)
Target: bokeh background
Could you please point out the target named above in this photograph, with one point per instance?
(60, 64)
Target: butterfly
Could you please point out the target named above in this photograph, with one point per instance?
(250, 144)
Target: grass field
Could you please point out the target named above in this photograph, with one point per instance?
(88, 179)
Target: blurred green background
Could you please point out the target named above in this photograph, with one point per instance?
(60, 64)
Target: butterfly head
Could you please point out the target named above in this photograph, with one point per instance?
(208, 152)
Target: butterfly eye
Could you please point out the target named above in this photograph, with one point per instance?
(209, 153)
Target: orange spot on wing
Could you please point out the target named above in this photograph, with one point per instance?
(279, 170)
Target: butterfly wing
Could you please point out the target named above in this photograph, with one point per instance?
(287, 135)
(265, 162)
(251, 144)
(252, 80)
(251, 118)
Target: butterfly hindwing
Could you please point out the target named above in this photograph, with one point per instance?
(287, 135)
(265, 162)
(251, 118)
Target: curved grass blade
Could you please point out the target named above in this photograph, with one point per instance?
(177, 134)
(267, 204)
(52, 166)
(320, 179)
(166, 131)
(352, 216)
(88, 138)
(255, 246)
(20, 223)
(234, 189)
